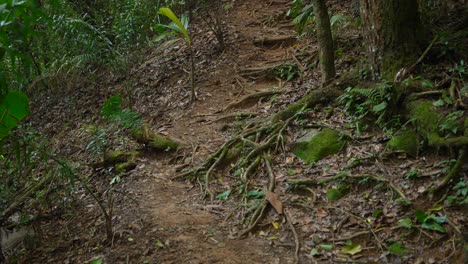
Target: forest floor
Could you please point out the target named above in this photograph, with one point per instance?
(159, 219)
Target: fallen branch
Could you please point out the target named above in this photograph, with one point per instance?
(269, 41)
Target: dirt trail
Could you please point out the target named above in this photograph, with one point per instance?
(173, 213)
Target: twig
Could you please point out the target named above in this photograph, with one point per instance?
(287, 217)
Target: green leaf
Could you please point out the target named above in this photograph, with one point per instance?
(334, 195)
(326, 247)
(439, 102)
(351, 249)
(397, 249)
(314, 252)
(405, 222)
(13, 109)
(169, 14)
(437, 219)
(224, 195)
(256, 194)
(377, 213)
(433, 226)
(96, 261)
(112, 106)
(380, 107)
(421, 216)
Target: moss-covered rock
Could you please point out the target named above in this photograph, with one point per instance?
(406, 141)
(317, 145)
(153, 140)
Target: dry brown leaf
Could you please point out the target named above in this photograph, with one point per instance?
(275, 201)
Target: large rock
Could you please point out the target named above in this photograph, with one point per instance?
(316, 145)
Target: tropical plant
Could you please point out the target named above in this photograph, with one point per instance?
(180, 27)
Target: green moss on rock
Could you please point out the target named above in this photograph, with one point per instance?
(318, 145)
(406, 141)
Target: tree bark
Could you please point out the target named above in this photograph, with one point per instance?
(393, 35)
(325, 40)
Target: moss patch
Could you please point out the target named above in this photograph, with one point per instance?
(153, 140)
(426, 119)
(406, 141)
(320, 145)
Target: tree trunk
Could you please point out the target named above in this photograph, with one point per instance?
(325, 41)
(392, 32)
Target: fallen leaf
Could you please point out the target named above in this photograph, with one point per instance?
(351, 249)
(276, 225)
(275, 201)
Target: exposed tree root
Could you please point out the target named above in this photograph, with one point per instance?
(287, 217)
(452, 174)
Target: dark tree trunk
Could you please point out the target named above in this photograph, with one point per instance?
(325, 41)
(392, 33)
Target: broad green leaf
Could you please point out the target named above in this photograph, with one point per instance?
(334, 195)
(380, 107)
(169, 14)
(433, 226)
(224, 195)
(351, 249)
(405, 222)
(439, 102)
(96, 261)
(13, 109)
(314, 252)
(397, 249)
(326, 247)
(112, 106)
(255, 194)
(421, 216)
(437, 219)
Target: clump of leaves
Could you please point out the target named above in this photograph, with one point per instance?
(114, 111)
(452, 123)
(302, 15)
(431, 222)
(372, 103)
(288, 71)
(461, 194)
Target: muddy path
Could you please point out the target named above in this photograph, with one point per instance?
(170, 222)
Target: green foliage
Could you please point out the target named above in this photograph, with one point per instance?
(302, 15)
(99, 141)
(372, 103)
(288, 71)
(178, 26)
(431, 222)
(460, 197)
(114, 111)
(397, 249)
(452, 123)
(13, 108)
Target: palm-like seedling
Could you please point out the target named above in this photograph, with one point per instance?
(180, 27)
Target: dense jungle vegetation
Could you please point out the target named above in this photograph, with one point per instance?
(319, 131)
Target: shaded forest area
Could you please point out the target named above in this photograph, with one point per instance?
(233, 131)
